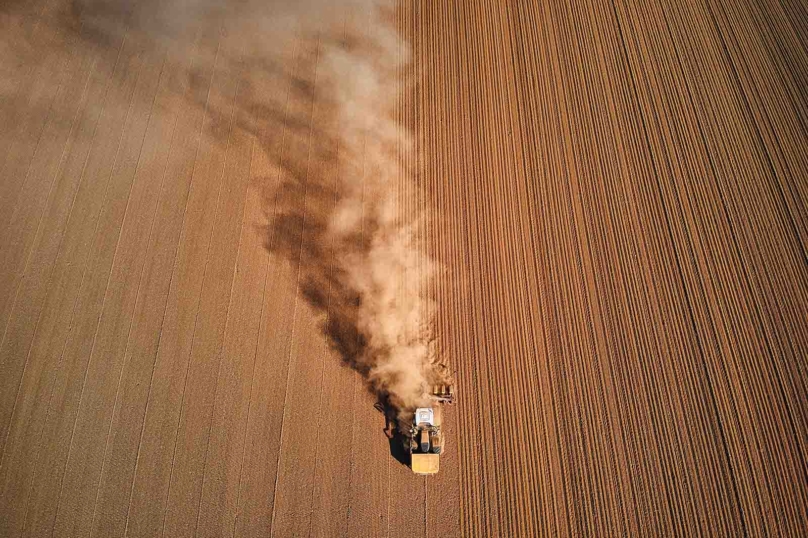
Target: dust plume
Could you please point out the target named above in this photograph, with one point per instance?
(329, 76)
(364, 265)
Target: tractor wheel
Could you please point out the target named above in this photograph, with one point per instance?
(437, 444)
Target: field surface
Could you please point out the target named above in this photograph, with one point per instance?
(617, 191)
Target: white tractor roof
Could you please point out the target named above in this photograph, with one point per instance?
(425, 415)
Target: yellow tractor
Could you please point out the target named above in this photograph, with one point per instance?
(426, 441)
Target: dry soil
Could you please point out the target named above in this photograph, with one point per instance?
(617, 190)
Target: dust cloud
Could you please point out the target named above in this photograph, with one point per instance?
(363, 264)
(328, 76)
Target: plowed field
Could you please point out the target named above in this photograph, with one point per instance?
(616, 192)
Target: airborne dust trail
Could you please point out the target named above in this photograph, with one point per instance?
(364, 247)
(361, 245)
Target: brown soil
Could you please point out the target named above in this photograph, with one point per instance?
(617, 190)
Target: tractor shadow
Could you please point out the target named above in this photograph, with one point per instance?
(393, 431)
